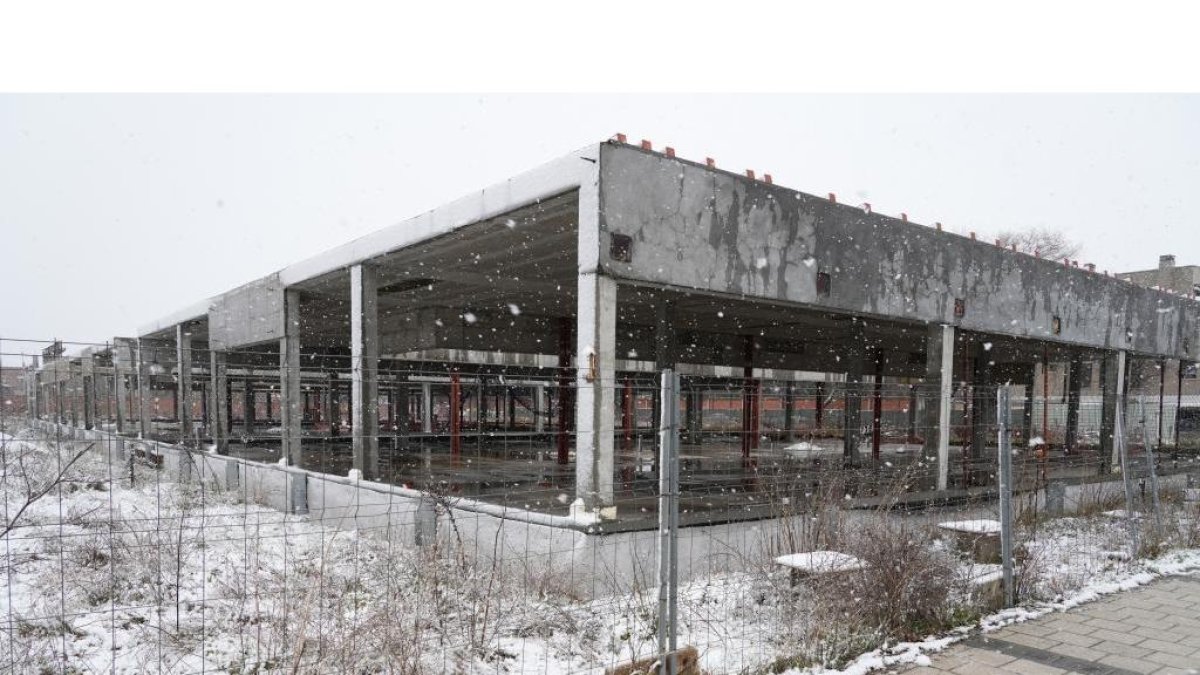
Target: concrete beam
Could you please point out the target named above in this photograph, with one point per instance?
(696, 228)
(364, 369)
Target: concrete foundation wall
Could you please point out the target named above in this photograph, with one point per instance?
(695, 227)
(545, 549)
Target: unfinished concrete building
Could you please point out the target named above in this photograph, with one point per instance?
(508, 342)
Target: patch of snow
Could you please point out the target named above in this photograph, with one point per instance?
(820, 561)
(981, 526)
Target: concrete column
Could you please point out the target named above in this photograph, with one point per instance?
(1112, 381)
(595, 385)
(912, 414)
(73, 396)
(983, 401)
(143, 385)
(364, 369)
(289, 380)
(1074, 385)
(789, 402)
(852, 419)
(218, 407)
(400, 413)
(89, 401)
(539, 406)
(1179, 367)
(692, 413)
(228, 405)
(60, 395)
(36, 391)
(248, 407)
(563, 395)
(749, 433)
(120, 387)
(1027, 411)
(427, 407)
(183, 361)
(664, 356)
(939, 378)
(854, 356)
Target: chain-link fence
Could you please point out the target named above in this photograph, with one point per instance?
(167, 519)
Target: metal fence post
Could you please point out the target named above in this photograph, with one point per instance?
(1003, 411)
(1123, 454)
(668, 520)
(1150, 461)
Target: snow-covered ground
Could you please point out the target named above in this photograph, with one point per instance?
(105, 575)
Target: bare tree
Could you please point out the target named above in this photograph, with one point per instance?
(1040, 241)
(35, 469)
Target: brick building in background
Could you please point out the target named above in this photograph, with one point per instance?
(1183, 279)
(14, 389)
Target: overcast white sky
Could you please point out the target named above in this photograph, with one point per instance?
(118, 209)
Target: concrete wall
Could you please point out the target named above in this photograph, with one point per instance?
(549, 550)
(695, 227)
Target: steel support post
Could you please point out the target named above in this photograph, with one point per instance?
(1003, 414)
(668, 520)
(1112, 377)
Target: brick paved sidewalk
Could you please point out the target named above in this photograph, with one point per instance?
(1152, 629)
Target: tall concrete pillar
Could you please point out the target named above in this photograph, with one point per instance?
(595, 386)
(1112, 382)
(539, 407)
(400, 413)
(60, 394)
(1074, 386)
(1027, 410)
(89, 401)
(289, 380)
(983, 405)
(364, 369)
(664, 356)
(218, 407)
(38, 403)
(852, 419)
(692, 413)
(183, 361)
(939, 380)
(248, 406)
(854, 356)
(789, 402)
(143, 389)
(427, 407)
(749, 431)
(120, 359)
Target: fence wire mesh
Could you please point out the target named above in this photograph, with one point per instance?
(186, 520)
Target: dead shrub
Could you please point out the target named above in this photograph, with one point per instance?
(906, 587)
